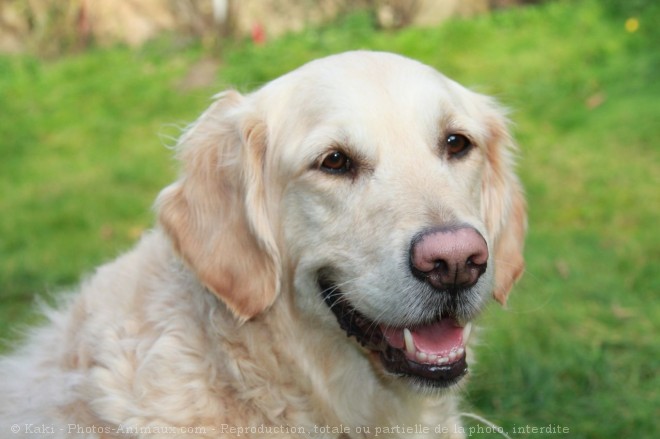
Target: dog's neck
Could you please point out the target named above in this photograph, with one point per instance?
(309, 366)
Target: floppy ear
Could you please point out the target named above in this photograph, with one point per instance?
(503, 207)
(215, 214)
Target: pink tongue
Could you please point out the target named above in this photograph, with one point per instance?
(438, 338)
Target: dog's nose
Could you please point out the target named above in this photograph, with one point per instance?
(449, 258)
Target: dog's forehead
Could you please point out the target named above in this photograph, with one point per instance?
(366, 82)
(373, 100)
(367, 88)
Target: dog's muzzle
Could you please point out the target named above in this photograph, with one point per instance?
(448, 261)
(433, 353)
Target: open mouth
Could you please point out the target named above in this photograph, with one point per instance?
(432, 353)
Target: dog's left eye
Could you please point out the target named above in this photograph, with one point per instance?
(458, 145)
(337, 163)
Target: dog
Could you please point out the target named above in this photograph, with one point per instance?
(314, 272)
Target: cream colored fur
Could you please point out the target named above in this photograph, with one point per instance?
(214, 320)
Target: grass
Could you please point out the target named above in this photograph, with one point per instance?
(84, 152)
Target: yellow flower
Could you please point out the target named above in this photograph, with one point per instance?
(632, 24)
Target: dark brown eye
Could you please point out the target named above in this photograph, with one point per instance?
(336, 163)
(458, 145)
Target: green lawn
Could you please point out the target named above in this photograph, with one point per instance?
(85, 147)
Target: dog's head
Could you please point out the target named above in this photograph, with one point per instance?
(380, 189)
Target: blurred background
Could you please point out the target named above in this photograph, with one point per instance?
(94, 93)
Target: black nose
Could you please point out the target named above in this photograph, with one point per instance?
(449, 258)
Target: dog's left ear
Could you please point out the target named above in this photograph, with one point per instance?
(503, 205)
(216, 213)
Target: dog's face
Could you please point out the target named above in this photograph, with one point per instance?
(381, 190)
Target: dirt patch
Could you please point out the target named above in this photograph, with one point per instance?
(202, 74)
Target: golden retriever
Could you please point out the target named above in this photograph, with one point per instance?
(314, 273)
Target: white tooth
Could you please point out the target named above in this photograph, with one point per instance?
(466, 332)
(452, 356)
(432, 358)
(408, 340)
(460, 352)
(442, 360)
(421, 356)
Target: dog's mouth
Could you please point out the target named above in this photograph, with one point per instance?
(433, 353)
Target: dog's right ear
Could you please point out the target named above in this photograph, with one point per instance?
(503, 205)
(215, 214)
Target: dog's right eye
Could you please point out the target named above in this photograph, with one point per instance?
(458, 145)
(337, 163)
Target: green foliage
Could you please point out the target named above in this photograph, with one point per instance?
(81, 161)
(83, 156)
